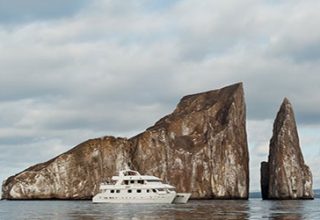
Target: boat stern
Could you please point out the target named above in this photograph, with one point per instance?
(181, 198)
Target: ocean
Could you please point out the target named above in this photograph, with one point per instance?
(254, 208)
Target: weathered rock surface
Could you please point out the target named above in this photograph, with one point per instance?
(200, 148)
(72, 175)
(285, 175)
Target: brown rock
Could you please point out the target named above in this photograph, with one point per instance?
(72, 175)
(200, 148)
(285, 175)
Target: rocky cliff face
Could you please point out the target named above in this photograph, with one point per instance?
(200, 148)
(72, 175)
(285, 175)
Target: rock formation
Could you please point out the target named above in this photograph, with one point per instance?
(285, 175)
(201, 148)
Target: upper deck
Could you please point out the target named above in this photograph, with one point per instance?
(134, 179)
(133, 175)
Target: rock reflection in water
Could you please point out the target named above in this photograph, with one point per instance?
(287, 209)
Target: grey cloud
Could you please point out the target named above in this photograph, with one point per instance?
(16, 140)
(141, 73)
(14, 159)
(293, 34)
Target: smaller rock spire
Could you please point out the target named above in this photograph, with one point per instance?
(285, 175)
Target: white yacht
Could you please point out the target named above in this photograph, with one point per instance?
(131, 187)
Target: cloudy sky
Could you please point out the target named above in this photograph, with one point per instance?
(73, 70)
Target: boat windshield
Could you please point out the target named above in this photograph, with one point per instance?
(130, 173)
(127, 182)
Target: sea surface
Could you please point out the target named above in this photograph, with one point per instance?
(195, 209)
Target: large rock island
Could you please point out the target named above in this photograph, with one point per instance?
(201, 148)
(285, 175)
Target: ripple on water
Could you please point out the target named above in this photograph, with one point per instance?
(203, 209)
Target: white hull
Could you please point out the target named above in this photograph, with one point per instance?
(181, 198)
(164, 198)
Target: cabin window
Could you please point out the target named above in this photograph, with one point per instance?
(118, 191)
(126, 182)
(140, 181)
(148, 191)
(132, 181)
(153, 190)
(129, 191)
(112, 191)
(138, 190)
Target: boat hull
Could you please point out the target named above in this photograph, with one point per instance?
(162, 198)
(181, 198)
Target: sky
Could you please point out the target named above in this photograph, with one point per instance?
(74, 70)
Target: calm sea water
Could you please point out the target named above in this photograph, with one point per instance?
(204, 209)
